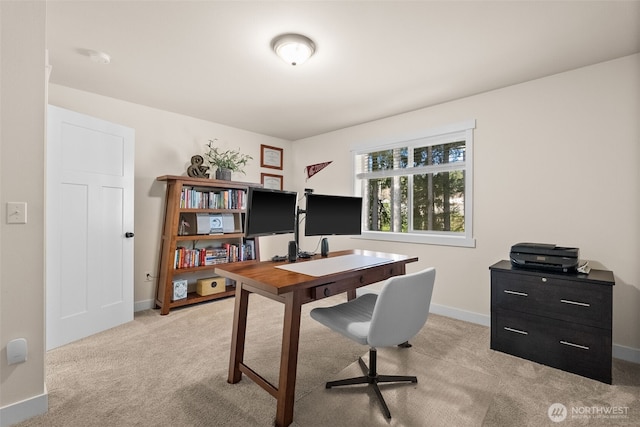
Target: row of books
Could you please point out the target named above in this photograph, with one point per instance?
(191, 198)
(228, 252)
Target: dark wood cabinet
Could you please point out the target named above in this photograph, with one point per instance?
(562, 320)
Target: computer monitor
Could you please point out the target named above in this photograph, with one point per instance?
(333, 215)
(270, 212)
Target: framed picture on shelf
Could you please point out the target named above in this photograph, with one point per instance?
(271, 181)
(270, 157)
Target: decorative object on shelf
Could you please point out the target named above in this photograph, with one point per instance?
(211, 285)
(182, 230)
(270, 157)
(179, 289)
(271, 181)
(223, 174)
(226, 161)
(314, 169)
(197, 169)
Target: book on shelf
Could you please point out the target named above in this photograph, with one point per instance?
(215, 256)
(192, 198)
(198, 257)
(249, 250)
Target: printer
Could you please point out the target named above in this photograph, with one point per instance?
(542, 256)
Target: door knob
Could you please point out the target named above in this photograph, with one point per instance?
(128, 234)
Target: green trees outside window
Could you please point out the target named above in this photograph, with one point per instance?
(418, 188)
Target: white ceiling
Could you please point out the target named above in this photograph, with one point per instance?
(212, 59)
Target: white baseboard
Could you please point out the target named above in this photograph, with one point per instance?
(143, 305)
(25, 409)
(456, 313)
(629, 354)
(621, 352)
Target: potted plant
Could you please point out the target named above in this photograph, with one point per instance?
(225, 161)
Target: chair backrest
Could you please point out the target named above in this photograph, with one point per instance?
(402, 308)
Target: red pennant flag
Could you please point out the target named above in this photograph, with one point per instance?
(314, 169)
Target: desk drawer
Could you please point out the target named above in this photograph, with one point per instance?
(584, 303)
(583, 350)
(367, 277)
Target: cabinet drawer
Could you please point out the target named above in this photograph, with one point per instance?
(550, 296)
(583, 350)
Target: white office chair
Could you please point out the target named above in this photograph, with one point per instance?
(386, 319)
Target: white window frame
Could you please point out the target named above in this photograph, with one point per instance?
(449, 133)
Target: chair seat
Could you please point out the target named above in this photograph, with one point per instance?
(351, 319)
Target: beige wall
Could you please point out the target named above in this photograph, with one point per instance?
(164, 144)
(556, 161)
(22, 118)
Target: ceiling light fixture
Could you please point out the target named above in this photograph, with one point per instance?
(294, 49)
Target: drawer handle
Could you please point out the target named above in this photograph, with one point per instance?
(522, 294)
(517, 331)
(581, 304)
(584, 347)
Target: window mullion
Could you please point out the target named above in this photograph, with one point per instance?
(410, 203)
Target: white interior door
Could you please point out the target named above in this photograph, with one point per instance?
(89, 226)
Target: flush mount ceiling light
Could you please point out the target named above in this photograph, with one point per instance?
(294, 49)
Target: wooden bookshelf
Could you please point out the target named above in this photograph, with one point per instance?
(185, 197)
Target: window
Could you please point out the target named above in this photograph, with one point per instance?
(419, 190)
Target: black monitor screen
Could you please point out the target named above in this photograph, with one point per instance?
(331, 215)
(270, 212)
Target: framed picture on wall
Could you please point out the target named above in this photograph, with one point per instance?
(270, 157)
(271, 181)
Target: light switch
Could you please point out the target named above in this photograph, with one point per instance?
(16, 212)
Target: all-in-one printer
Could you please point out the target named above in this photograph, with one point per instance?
(544, 256)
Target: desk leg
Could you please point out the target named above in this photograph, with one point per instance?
(238, 334)
(289, 359)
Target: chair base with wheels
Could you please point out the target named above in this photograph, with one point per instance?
(372, 378)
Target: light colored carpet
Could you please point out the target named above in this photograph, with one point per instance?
(172, 371)
(446, 395)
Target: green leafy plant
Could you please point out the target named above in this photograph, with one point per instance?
(229, 159)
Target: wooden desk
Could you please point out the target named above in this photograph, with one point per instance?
(293, 289)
